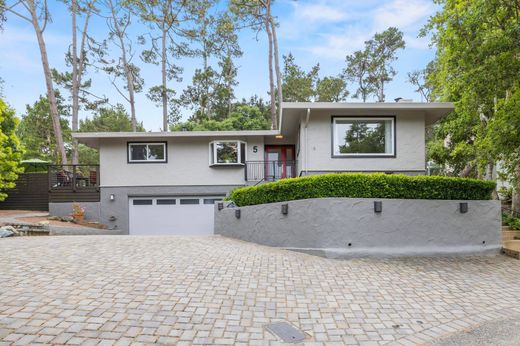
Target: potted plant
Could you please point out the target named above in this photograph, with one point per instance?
(78, 212)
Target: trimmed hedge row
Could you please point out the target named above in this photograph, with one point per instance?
(364, 186)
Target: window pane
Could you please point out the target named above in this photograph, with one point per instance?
(212, 152)
(142, 202)
(189, 201)
(363, 136)
(166, 201)
(137, 152)
(227, 152)
(211, 200)
(242, 152)
(156, 152)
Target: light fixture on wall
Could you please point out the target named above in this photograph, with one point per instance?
(220, 205)
(378, 207)
(285, 209)
(237, 213)
(463, 207)
(112, 197)
(278, 136)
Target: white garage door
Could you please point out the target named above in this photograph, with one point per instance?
(172, 215)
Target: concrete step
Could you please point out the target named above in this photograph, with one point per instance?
(511, 248)
(510, 235)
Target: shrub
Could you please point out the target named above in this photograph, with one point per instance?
(364, 186)
(512, 222)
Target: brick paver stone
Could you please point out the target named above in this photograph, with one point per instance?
(127, 290)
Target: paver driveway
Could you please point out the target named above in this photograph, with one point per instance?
(213, 290)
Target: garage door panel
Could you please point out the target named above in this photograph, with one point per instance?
(176, 216)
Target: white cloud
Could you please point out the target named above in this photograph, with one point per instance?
(336, 46)
(319, 12)
(402, 13)
(345, 35)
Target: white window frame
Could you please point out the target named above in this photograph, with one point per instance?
(335, 141)
(213, 153)
(147, 160)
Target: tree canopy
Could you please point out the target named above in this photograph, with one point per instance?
(10, 149)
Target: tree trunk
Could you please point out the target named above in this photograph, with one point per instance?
(164, 79)
(466, 171)
(277, 67)
(126, 66)
(56, 124)
(271, 77)
(382, 91)
(515, 206)
(75, 86)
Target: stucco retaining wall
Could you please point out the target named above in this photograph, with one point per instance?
(349, 227)
(92, 209)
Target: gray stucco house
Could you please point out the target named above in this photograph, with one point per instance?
(168, 182)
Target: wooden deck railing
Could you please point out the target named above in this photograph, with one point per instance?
(74, 178)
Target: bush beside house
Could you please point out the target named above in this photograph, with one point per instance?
(365, 186)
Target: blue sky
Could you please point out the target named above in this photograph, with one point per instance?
(323, 31)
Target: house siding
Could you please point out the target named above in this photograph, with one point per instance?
(410, 145)
(188, 164)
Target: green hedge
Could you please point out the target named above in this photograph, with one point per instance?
(364, 186)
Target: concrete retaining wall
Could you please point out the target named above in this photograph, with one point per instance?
(349, 227)
(92, 209)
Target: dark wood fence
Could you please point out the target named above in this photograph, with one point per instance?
(31, 193)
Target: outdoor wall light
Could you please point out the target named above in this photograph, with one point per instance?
(378, 206)
(237, 213)
(220, 205)
(112, 197)
(463, 207)
(285, 209)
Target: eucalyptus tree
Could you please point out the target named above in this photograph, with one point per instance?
(119, 17)
(37, 14)
(169, 21)
(257, 14)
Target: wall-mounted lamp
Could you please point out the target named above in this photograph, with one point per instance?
(237, 213)
(278, 136)
(112, 197)
(378, 207)
(220, 205)
(112, 218)
(285, 209)
(463, 207)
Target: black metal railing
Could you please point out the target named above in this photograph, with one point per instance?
(75, 178)
(269, 170)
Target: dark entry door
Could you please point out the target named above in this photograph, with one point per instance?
(279, 162)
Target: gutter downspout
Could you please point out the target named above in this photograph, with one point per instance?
(306, 167)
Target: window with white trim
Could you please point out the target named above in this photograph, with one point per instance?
(363, 136)
(227, 153)
(147, 152)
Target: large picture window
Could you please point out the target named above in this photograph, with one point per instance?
(227, 152)
(363, 136)
(147, 152)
